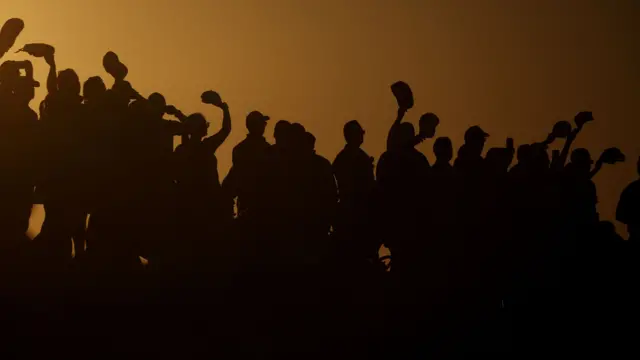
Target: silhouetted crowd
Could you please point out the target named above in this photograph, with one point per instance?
(490, 251)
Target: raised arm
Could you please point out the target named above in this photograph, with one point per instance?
(596, 168)
(172, 110)
(392, 131)
(608, 156)
(52, 78)
(179, 128)
(580, 119)
(566, 149)
(213, 142)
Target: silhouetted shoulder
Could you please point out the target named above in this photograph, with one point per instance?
(628, 210)
(252, 146)
(351, 156)
(173, 127)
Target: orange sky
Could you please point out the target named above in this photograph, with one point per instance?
(515, 67)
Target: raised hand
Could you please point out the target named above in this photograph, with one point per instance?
(50, 59)
(9, 33)
(212, 98)
(172, 110)
(114, 67)
(611, 156)
(561, 129)
(582, 118)
(38, 50)
(509, 144)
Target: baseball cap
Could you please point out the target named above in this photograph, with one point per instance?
(254, 117)
(474, 132)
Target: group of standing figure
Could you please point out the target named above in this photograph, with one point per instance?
(108, 155)
(474, 229)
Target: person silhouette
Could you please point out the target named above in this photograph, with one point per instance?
(320, 191)
(628, 209)
(62, 177)
(247, 157)
(394, 138)
(443, 150)
(115, 123)
(203, 208)
(474, 198)
(353, 169)
(153, 182)
(402, 172)
(581, 189)
(18, 124)
(469, 158)
(89, 133)
(93, 91)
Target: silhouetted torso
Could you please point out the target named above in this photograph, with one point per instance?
(248, 156)
(628, 210)
(353, 169)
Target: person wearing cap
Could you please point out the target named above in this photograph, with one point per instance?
(246, 157)
(470, 153)
(196, 156)
(202, 205)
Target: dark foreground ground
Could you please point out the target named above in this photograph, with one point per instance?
(312, 311)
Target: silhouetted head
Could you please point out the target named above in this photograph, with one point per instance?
(94, 88)
(475, 139)
(540, 157)
(256, 123)
(443, 149)
(25, 90)
(309, 142)
(406, 134)
(282, 133)
(524, 154)
(196, 126)
(428, 124)
(581, 161)
(69, 82)
(298, 136)
(157, 104)
(9, 74)
(353, 133)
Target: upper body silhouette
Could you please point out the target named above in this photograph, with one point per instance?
(353, 168)
(197, 163)
(628, 210)
(247, 157)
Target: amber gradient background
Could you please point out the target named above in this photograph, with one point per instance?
(515, 67)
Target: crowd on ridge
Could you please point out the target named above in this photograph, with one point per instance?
(476, 224)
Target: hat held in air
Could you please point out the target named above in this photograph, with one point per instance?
(403, 94)
(9, 33)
